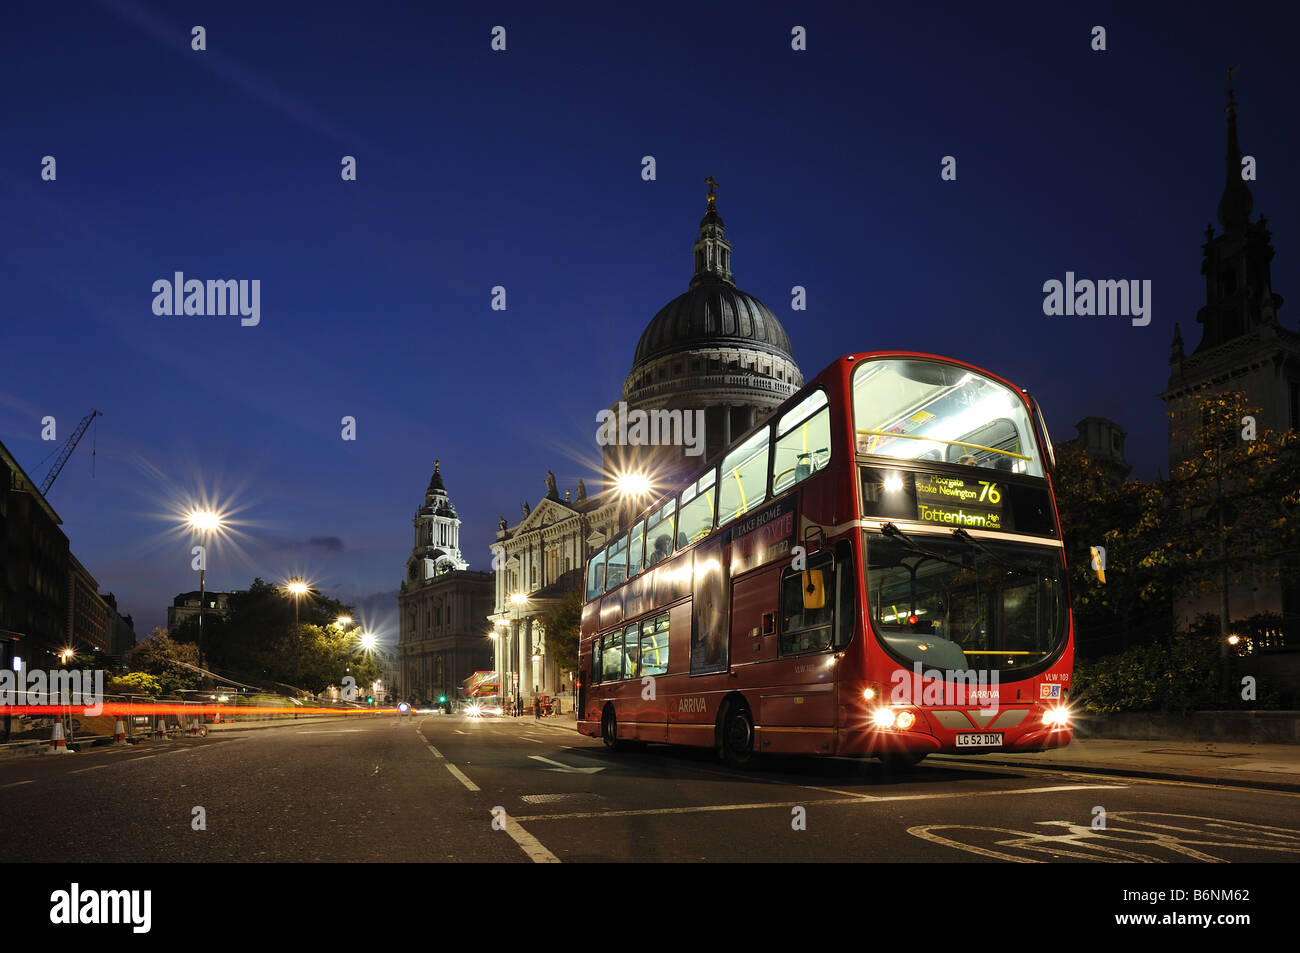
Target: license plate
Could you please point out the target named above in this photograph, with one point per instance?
(974, 739)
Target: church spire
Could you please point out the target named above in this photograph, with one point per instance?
(1237, 202)
(712, 250)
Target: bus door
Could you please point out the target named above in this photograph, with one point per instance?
(814, 621)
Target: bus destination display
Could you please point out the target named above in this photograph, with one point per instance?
(958, 502)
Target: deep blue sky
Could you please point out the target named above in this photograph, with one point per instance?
(522, 169)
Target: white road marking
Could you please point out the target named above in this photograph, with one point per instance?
(456, 772)
(145, 758)
(14, 784)
(530, 844)
(329, 731)
(564, 768)
(460, 776)
(83, 770)
(704, 809)
(459, 732)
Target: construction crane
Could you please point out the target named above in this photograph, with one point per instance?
(66, 451)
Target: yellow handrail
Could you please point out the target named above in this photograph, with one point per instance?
(955, 443)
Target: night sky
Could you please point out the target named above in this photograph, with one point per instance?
(523, 169)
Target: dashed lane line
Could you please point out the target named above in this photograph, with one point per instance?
(14, 784)
(530, 845)
(456, 772)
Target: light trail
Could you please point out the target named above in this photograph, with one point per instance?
(140, 708)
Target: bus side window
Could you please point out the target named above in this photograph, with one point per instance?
(611, 658)
(803, 445)
(744, 477)
(631, 650)
(807, 614)
(695, 516)
(636, 549)
(659, 534)
(596, 575)
(654, 645)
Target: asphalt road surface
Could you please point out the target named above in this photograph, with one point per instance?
(443, 788)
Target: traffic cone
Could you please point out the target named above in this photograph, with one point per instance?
(119, 733)
(58, 744)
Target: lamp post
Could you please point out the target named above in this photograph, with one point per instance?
(203, 522)
(496, 659)
(297, 587)
(517, 602)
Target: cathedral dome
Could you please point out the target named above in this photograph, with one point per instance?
(714, 352)
(712, 314)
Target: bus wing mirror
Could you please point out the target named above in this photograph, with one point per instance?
(814, 590)
(814, 538)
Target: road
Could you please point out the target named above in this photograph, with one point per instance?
(450, 788)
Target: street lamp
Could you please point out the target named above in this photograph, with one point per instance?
(203, 522)
(518, 600)
(296, 588)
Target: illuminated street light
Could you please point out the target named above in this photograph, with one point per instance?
(344, 620)
(632, 484)
(203, 522)
(297, 588)
(369, 640)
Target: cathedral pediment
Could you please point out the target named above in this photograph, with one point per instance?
(547, 513)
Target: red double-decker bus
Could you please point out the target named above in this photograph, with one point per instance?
(877, 569)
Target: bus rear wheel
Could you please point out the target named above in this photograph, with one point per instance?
(737, 736)
(609, 732)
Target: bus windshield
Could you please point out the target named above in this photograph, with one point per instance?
(962, 603)
(921, 410)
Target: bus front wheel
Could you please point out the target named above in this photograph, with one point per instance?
(738, 736)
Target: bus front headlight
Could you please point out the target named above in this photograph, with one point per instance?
(1057, 717)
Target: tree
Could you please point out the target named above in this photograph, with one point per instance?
(257, 641)
(172, 663)
(1232, 514)
(135, 683)
(563, 627)
(1133, 605)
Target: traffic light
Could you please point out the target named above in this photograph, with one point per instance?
(442, 699)
(370, 699)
